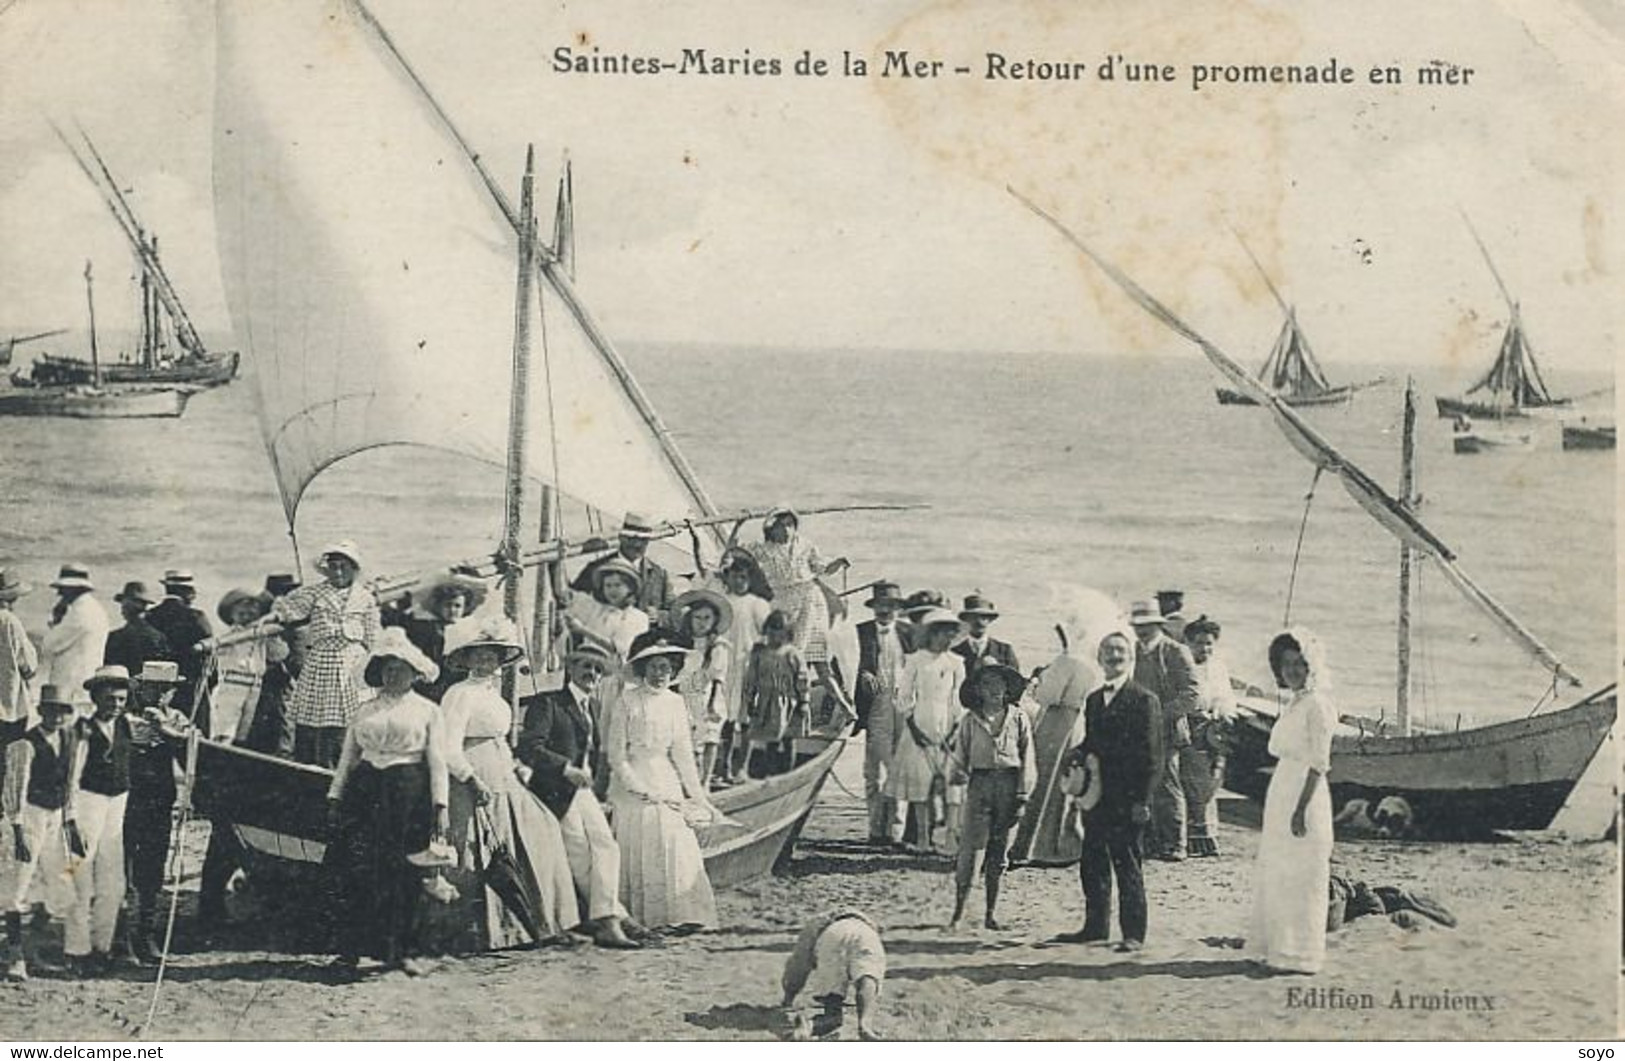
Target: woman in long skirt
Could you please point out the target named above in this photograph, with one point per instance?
(1294, 851)
(1049, 835)
(386, 803)
(490, 811)
(656, 793)
(928, 712)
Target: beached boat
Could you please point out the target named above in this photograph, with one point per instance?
(1582, 435)
(169, 350)
(1468, 437)
(1291, 371)
(1465, 783)
(419, 356)
(1513, 387)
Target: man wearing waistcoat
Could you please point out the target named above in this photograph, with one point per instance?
(99, 789)
(35, 802)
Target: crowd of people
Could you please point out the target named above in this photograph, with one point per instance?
(459, 824)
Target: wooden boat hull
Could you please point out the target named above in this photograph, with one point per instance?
(278, 809)
(1482, 443)
(1465, 784)
(82, 403)
(211, 371)
(1452, 407)
(1336, 396)
(1584, 437)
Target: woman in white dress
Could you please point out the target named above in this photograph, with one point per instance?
(1294, 851)
(928, 712)
(490, 808)
(655, 792)
(611, 613)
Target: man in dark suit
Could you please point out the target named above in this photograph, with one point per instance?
(882, 644)
(1123, 727)
(1167, 668)
(137, 641)
(558, 745)
(654, 583)
(183, 626)
(976, 647)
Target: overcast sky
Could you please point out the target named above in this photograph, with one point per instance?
(785, 211)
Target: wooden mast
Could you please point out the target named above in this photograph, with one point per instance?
(95, 358)
(519, 407)
(1407, 498)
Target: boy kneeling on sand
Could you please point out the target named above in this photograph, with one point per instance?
(835, 952)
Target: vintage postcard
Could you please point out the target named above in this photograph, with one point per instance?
(911, 521)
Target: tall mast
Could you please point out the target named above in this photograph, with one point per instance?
(95, 359)
(1407, 499)
(147, 356)
(519, 402)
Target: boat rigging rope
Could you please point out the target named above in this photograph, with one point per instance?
(557, 500)
(1297, 551)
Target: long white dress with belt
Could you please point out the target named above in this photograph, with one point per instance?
(1293, 872)
(652, 773)
(927, 693)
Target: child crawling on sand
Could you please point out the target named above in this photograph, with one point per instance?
(834, 953)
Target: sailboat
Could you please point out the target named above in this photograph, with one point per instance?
(169, 350)
(1513, 385)
(94, 400)
(1459, 783)
(369, 269)
(1291, 371)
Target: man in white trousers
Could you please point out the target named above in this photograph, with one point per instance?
(98, 789)
(35, 802)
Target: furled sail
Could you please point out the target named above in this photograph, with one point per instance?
(1371, 497)
(369, 265)
(1291, 368)
(1515, 377)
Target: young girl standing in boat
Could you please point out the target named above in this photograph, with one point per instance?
(702, 617)
(775, 697)
(928, 713)
(740, 579)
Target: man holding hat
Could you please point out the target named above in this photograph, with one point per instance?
(35, 802)
(99, 790)
(18, 663)
(183, 625)
(1167, 668)
(654, 583)
(559, 745)
(150, 811)
(976, 647)
(882, 644)
(74, 641)
(131, 645)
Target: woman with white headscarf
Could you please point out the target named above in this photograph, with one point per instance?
(1294, 851)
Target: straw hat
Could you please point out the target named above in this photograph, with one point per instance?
(134, 591)
(976, 604)
(393, 644)
(637, 525)
(179, 578)
(589, 646)
(12, 587)
(921, 601)
(652, 643)
(159, 672)
(51, 700)
(1145, 613)
(615, 566)
(485, 631)
(695, 597)
(885, 595)
(345, 548)
(112, 674)
(234, 597)
(933, 616)
(73, 576)
(970, 693)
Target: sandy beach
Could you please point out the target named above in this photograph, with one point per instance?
(1535, 956)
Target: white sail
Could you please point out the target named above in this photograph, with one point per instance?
(370, 275)
(1395, 518)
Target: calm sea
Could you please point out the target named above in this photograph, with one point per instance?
(1041, 472)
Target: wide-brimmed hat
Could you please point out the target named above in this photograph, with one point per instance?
(159, 672)
(976, 604)
(345, 548)
(237, 596)
(1015, 684)
(179, 578)
(136, 591)
(885, 594)
(738, 557)
(696, 597)
(936, 617)
(484, 631)
(393, 644)
(111, 674)
(923, 600)
(657, 642)
(73, 576)
(451, 584)
(50, 699)
(11, 586)
(615, 566)
(281, 585)
(637, 525)
(1144, 613)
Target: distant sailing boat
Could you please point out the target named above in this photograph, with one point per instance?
(1513, 384)
(165, 325)
(1509, 775)
(93, 400)
(1291, 372)
(370, 275)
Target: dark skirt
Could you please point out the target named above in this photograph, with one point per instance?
(385, 815)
